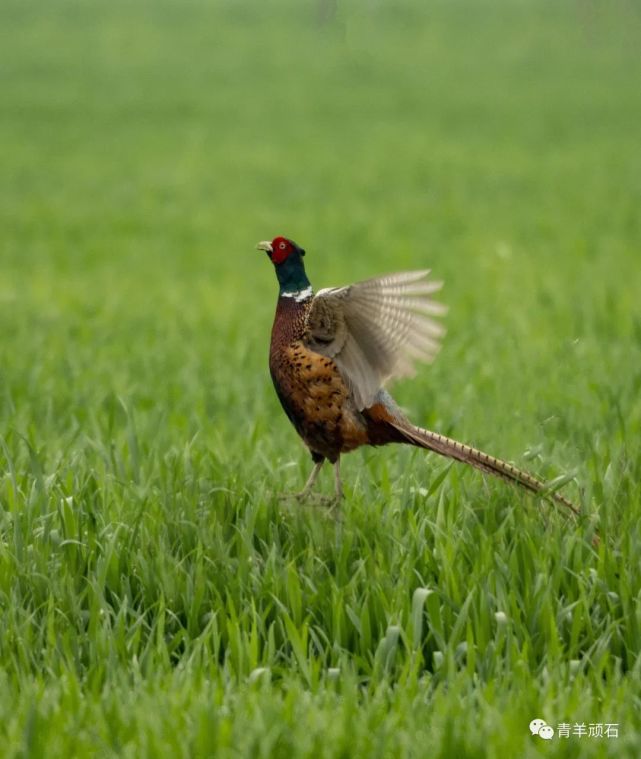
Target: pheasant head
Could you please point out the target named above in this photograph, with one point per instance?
(287, 258)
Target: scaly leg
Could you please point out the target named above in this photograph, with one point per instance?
(305, 492)
(337, 479)
(311, 480)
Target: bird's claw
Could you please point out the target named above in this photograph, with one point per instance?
(329, 502)
(292, 496)
(316, 498)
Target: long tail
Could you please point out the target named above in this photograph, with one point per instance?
(445, 446)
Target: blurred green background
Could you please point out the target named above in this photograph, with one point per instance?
(145, 147)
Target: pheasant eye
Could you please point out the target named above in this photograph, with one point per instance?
(282, 246)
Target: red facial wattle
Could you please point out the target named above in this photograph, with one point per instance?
(281, 249)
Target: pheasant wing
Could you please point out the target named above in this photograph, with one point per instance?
(377, 329)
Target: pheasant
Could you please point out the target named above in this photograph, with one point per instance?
(332, 353)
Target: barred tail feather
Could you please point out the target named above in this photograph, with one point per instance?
(445, 446)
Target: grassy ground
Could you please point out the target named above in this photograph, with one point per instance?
(156, 599)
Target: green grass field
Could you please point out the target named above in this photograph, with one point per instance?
(156, 599)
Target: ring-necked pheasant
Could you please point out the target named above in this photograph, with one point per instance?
(332, 353)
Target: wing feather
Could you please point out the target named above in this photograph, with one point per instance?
(377, 330)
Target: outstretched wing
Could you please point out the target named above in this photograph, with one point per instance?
(376, 330)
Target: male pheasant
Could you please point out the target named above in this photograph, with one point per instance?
(332, 353)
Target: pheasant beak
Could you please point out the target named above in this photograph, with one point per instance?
(265, 245)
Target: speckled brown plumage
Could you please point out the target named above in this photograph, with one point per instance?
(311, 389)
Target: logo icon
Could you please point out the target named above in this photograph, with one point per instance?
(541, 728)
